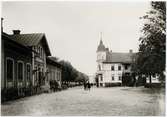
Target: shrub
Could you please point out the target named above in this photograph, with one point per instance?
(112, 84)
(153, 85)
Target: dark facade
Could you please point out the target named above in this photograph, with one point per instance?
(26, 67)
(16, 73)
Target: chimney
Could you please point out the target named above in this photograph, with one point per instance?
(130, 51)
(16, 32)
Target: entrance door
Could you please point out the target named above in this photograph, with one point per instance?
(97, 81)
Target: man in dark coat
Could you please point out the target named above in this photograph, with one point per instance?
(89, 86)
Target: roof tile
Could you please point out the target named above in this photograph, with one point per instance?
(113, 57)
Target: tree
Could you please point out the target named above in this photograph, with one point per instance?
(150, 60)
(70, 74)
(81, 77)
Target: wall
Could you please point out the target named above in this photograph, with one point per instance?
(39, 63)
(2, 64)
(108, 73)
(54, 73)
(17, 53)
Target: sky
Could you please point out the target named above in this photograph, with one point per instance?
(73, 28)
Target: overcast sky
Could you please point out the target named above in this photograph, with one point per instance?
(73, 28)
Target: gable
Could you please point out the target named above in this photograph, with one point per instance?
(33, 39)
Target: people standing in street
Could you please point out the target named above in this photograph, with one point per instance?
(84, 85)
(89, 86)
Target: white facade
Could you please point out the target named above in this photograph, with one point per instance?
(114, 67)
(153, 79)
(109, 72)
(110, 75)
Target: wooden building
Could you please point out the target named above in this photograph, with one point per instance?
(40, 50)
(54, 70)
(16, 66)
(25, 65)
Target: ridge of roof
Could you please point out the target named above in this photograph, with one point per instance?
(119, 57)
(28, 39)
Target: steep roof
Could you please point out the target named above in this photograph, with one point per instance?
(52, 60)
(9, 38)
(101, 47)
(115, 57)
(32, 40)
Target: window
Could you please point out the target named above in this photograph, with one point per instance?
(57, 77)
(35, 48)
(10, 69)
(50, 75)
(28, 70)
(112, 68)
(101, 77)
(53, 75)
(42, 72)
(126, 67)
(36, 75)
(41, 52)
(119, 78)
(112, 77)
(20, 71)
(99, 68)
(38, 51)
(119, 67)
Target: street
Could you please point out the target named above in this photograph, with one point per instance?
(114, 101)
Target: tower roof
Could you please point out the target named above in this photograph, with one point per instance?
(101, 47)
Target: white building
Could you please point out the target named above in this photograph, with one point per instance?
(111, 66)
(114, 67)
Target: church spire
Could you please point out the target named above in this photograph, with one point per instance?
(101, 42)
(101, 46)
(100, 36)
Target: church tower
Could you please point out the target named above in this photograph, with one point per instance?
(101, 51)
(101, 55)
